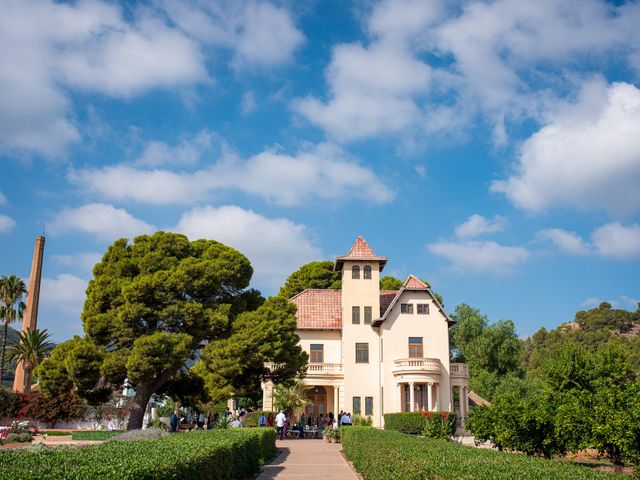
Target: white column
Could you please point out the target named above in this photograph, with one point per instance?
(398, 398)
(429, 398)
(466, 402)
(411, 398)
(335, 401)
(436, 388)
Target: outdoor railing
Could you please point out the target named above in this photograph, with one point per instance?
(418, 365)
(325, 369)
(460, 370)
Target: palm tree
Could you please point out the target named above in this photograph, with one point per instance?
(30, 349)
(12, 308)
(290, 399)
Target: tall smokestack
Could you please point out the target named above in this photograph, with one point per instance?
(30, 319)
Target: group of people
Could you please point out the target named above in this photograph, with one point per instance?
(200, 421)
(305, 424)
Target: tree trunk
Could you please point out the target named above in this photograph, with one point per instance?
(140, 400)
(4, 348)
(27, 378)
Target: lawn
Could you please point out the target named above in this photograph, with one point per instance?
(388, 455)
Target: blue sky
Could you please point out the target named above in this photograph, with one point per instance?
(492, 148)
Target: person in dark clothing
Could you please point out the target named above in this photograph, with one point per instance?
(174, 422)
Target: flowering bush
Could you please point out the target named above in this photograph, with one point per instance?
(35, 406)
(439, 425)
(115, 410)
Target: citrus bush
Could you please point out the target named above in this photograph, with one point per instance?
(209, 455)
(387, 455)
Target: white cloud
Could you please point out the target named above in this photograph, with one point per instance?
(593, 302)
(478, 225)
(48, 47)
(102, 220)
(82, 261)
(248, 104)
(587, 156)
(6, 223)
(3, 199)
(480, 256)
(630, 302)
(372, 92)
(65, 293)
(321, 172)
(275, 246)
(569, 242)
(617, 241)
(188, 152)
(268, 35)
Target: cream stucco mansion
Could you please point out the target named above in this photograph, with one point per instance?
(375, 351)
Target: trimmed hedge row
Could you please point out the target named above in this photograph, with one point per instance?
(212, 455)
(386, 455)
(94, 434)
(414, 423)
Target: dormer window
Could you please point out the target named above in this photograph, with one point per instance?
(355, 272)
(367, 272)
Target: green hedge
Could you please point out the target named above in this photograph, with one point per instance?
(209, 455)
(94, 434)
(386, 455)
(430, 424)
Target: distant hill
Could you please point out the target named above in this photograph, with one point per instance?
(10, 367)
(589, 328)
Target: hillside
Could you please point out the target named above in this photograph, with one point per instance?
(10, 367)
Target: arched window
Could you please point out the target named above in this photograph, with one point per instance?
(367, 273)
(355, 272)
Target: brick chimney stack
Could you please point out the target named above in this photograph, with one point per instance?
(30, 319)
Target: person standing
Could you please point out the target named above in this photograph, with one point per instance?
(262, 420)
(270, 420)
(174, 422)
(201, 420)
(281, 419)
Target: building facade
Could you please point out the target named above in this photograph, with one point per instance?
(375, 351)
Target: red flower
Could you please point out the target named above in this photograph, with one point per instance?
(444, 414)
(424, 414)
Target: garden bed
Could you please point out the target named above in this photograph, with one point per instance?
(211, 455)
(389, 455)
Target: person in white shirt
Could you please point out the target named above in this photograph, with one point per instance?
(236, 422)
(281, 418)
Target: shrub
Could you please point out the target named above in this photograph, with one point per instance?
(387, 455)
(208, 455)
(95, 434)
(362, 421)
(332, 433)
(148, 434)
(439, 425)
(252, 419)
(156, 424)
(409, 422)
(25, 437)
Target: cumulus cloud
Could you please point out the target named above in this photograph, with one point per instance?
(569, 242)
(587, 156)
(6, 223)
(478, 225)
(50, 48)
(102, 220)
(188, 152)
(488, 58)
(480, 256)
(324, 171)
(617, 241)
(275, 246)
(65, 293)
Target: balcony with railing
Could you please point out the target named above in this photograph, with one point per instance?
(404, 366)
(325, 369)
(459, 370)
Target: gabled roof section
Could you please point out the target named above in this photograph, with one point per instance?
(386, 297)
(412, 283)
(360, 250)
(318, 309)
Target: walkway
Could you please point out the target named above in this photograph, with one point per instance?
(308, 459)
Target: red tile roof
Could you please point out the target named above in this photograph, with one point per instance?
(414, 283)
(360, 250)
(319, 308)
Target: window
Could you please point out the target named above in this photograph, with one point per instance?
(422, 308)
(362, 353)
(355, 315)
(368, 405)
(415, 347)
(367, 315)
(366, 274)
(406, 308)
(317, 353)
(355, 272)
(356, 405)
